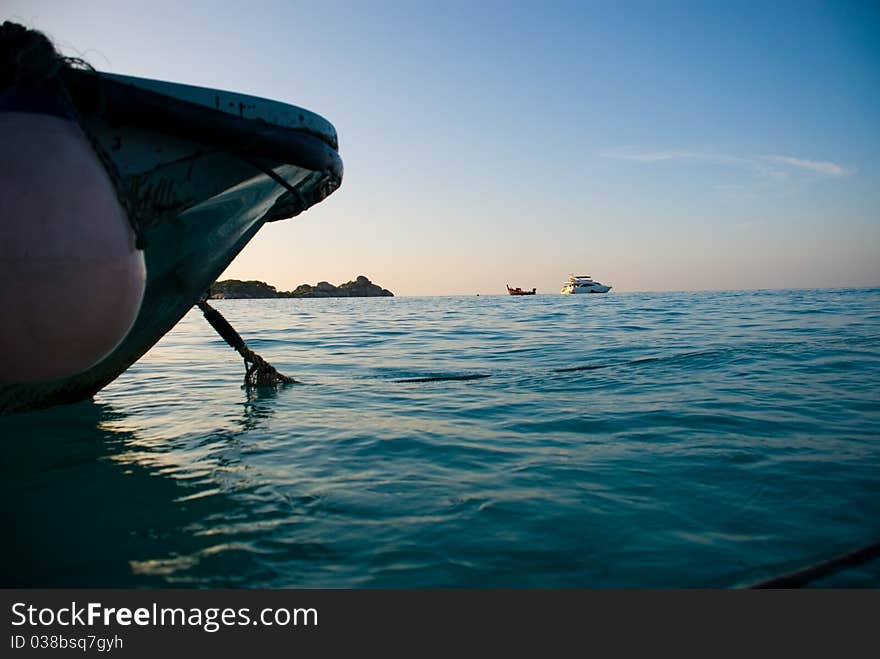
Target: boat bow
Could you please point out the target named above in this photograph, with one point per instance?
(199, 171)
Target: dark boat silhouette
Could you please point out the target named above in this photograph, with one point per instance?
(519, 291)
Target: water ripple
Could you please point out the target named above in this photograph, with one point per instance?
(631, 440)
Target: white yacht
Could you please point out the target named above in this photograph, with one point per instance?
(584, 284)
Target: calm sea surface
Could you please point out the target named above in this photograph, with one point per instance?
(625, 440)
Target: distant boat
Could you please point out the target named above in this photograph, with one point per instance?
(196, 172)
(583, 284)
(519, 291)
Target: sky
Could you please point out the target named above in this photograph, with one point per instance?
(652, 145)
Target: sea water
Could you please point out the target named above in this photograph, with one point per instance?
(651, 440)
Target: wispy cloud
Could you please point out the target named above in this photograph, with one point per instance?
(661, 156)
(651, 156)
(770, 166)
(823, 167)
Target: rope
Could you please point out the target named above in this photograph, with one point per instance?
(801, 578)
(268, 171)
(258, 372)
(27, 58)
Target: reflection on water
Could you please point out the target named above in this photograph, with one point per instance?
(90, 504)
(642, 440)
(77, 516)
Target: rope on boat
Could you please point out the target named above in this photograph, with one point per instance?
(258, 372)
(804, 577)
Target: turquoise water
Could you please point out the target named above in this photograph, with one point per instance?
(625, 440)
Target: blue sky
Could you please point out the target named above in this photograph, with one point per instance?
(656, 146)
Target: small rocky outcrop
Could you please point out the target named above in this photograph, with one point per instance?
(360, 287)
(233, 288)
(236, 289)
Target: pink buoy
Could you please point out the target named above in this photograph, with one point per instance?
(71, 279)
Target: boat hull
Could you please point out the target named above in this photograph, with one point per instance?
(197, 205)
(581, 290)
(519, 291)
(183, 258)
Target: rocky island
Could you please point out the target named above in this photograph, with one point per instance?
(237, 289)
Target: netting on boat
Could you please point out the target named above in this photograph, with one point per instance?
(27, 57)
